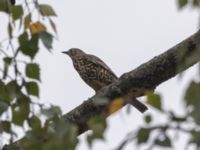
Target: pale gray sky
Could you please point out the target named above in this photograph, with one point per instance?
(123, 33)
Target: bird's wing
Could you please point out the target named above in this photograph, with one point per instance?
(98, 61)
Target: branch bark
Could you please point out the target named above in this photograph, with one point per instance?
(146, 77)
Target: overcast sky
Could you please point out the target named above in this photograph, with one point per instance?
(125, 34)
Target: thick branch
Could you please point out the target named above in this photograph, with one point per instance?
(146, 77)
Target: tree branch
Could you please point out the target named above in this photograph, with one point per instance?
(146, 77)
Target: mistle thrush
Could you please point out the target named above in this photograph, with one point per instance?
(95, 72)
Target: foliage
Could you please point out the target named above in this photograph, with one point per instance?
(20, 78)
(184, 3)
(186, 124)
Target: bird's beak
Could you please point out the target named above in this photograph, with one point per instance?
(65, 52)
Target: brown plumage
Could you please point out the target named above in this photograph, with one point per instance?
(95, 72)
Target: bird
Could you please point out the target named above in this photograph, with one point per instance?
(95, 72)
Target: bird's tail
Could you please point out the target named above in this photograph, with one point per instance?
(139, 105)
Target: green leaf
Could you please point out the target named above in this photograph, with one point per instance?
(3, 106)
(195, 137)
(46, 10)
(64, 128)
(182, 3)
(192, 96)
(98, 126)
(27, 21)
(7, 60)
(64, 136)
(33, 45)
(4, 95)
(143, 135)
(32, 140)
(12, 2)
(13, 89)
(34, 122)
(56, 134)
(195, 114)
(6, 126)
(4, 6)
(23, 38)
(33, 71)
(185, 58)
(32, 88)
(29, 47)
(52, 111)
(165, 142)
(47, 39)
(23, 42)
(148, 119)
(20, 111)
(154, 100)
(17, 12)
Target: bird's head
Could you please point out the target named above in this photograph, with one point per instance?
(73, 52)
